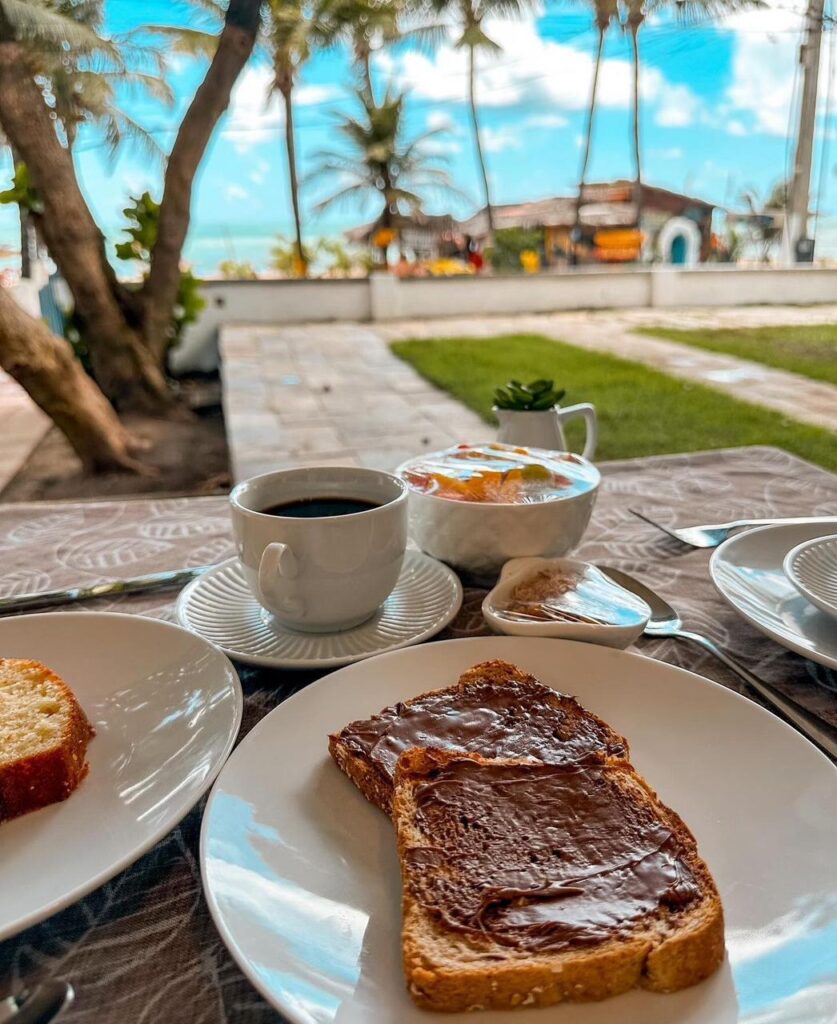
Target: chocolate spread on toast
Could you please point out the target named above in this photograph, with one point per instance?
(510, 719)
(542, 857)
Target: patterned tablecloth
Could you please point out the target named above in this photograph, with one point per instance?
(143, 947)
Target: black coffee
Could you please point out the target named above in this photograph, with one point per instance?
(315, 508)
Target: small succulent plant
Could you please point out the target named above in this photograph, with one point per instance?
(533, 397)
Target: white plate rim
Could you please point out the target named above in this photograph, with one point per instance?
(83, 889)
(216, 914)
(822, 659)
(792, 574)
(266, 661)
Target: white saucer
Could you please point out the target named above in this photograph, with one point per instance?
(748, 571)
(220, 607)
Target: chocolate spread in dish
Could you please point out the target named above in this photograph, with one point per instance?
(542, 857)
(511, 719)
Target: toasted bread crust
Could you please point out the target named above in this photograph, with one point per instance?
(377, 786)
(451, 972)
(48, 775)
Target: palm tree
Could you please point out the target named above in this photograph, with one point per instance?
(471, 36)
(289, 35)
(689, 11)
(365, 25)
(379, 162)
(604, 12)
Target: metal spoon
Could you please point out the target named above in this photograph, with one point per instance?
(665, 622)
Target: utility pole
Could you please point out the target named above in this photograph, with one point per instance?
(796, 212)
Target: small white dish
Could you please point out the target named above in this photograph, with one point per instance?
(220, 607)
(166, 707)
(301, 873)
(626, 614)
(748, 571)
(812, 568)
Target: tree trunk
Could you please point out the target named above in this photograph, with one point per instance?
(47, 369)
(636, 132)
(472, 99)
(235, 45)
(123, 368)
(293, 182)
(588, 138)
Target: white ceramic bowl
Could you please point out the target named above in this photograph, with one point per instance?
(480, 537)
(630, 613)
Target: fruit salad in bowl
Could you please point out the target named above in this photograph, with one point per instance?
(475, 506)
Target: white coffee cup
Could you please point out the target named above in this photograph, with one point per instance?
(325, 573)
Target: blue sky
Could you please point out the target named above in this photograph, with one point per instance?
(715, 120)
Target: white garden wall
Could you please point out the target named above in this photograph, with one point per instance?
(384, 297)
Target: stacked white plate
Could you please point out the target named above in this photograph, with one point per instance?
(751, 571)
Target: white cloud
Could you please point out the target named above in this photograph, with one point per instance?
(233, 191)
(440, 121)
(310, 95)
(259, 172)
(533, 71)
(545, 121)
(764, 63)
(254, 114)
(672, 153)
(495, 140)
(678, 106)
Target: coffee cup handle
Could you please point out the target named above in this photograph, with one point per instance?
(278, 566)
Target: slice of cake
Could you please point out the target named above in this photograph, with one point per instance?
(527, 884)
(43, 738)
(495, 709)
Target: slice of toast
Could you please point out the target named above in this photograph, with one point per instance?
(527, 884)
(43, 738)
(495, 709)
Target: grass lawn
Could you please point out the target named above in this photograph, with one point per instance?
(808, 349)
(641, 411)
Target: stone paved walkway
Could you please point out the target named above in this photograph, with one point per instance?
(329, 394)
(23, 427)
(335, 393)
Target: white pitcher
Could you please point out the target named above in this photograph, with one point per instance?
(544, 428)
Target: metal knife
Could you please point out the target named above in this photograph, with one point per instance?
(154, 581)
(43, 1004)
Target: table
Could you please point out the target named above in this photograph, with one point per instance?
(143, 947)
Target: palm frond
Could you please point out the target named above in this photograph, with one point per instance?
(119, 126)
(34, 22)
(699, 12)
(190, 42)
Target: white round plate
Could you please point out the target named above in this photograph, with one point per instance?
(748, 571)
(220, 606)
(301, 874)
(812, 568)
(166, 707)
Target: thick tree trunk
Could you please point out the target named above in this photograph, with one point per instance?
(472, 99)
(125, 371)
(235, 44)
(636, 132)
(588, 135)
(293, 181)
(47, 369)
